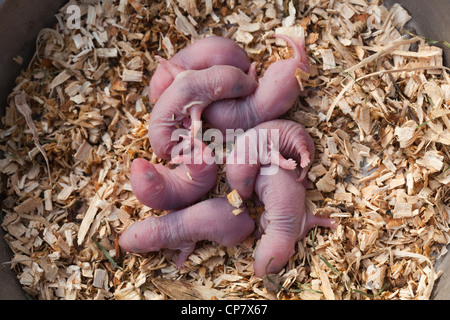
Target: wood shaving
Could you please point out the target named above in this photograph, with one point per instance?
(376, 103)
(234, 199)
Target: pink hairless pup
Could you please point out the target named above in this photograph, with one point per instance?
(295, 147)
(159, 187)
(284, 221)
(277, 91)
(182, 103)
(202, 54)
(211, 220)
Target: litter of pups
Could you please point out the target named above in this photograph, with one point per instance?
(375, 104)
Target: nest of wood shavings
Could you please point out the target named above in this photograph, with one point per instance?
(376, 104)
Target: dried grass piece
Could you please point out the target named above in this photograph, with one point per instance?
(60, 79)
(88, 219)
(20, 101)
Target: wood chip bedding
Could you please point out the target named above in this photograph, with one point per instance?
(376, 103)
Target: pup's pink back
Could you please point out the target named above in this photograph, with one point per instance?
(193, 90)
(211, 219)
(202, 54)
(276, 93)
(159, 187)
(278, 89)
(284, 221)
(284, 217)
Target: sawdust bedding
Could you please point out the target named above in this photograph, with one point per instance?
(376, 103)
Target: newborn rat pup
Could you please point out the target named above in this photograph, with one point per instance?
(277, 91)
(284, 221)
(211, 220)
(294, 142)
(159, 187)
(182, 103)
(202, 54)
